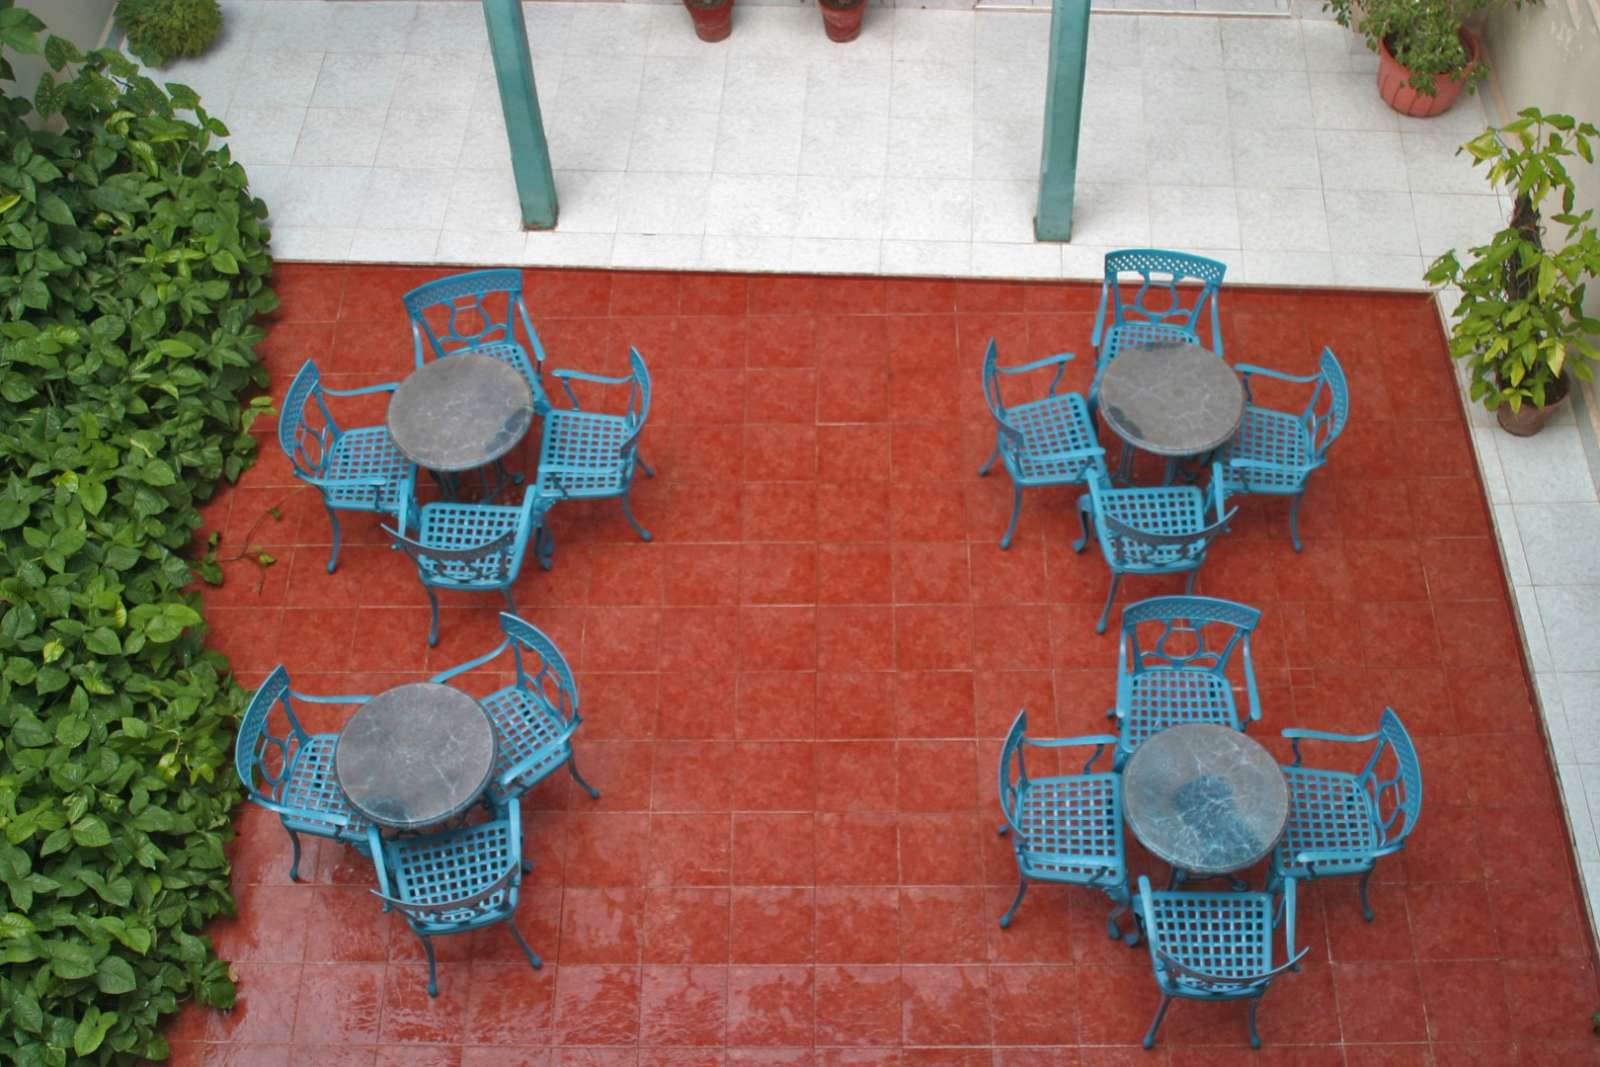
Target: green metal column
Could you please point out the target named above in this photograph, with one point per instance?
(519, 100)
(1063, 111)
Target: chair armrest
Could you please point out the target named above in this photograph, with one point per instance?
(1100, 315)
(1099, 741)
(1245, 370)
(386, 387)
(1265, 465)
(352, 698)
(1297, 735)
(585, 376)
(1250, 690)
(1059, 361)
(1312, 856)
(471, 664)
(1072, 453)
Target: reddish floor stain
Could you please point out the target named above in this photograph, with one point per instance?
(793, 699)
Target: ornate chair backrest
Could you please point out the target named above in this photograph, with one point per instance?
(260, 758)
(1329, 408)
(467, 311)
(306, 430)
(1158, 299)
(541, 667)
(1188, 634)
(1397, 797)
(1010, 437)
(1139, 549)
(487, 566)
(1218, 928)
(428, 887)
(1013, 770)
(638, 409)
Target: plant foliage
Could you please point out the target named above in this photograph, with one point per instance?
(133, 262)
(1521, 321)
(160, 31)
(1424, 36)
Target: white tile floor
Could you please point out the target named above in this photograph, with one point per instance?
(373, 130)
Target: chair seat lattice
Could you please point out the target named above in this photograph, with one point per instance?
(1072, 816)
(1328, 811)
(311, 789)
(1051, 426)
(1162, 697)
(364, 454)
(1274, 437)
(1117, 338)
(525, 727)
(1226, 935)
(439, 877)
(508, 353)
(582, 454)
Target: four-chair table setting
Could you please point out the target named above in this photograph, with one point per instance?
(425, 778)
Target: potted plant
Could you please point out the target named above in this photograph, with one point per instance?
(1426, 54)
(160, 31)
(1521, 322)
(842, 18)
(713, 19)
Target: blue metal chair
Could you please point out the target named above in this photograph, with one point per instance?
(474, 547)
(534, 718)
(1142, 318)
(1181, 675)
(356, 469)
(1160, 530)
(1065, 829)
(1042, 442)
(1215, 946)
(475, 321)
(455, 881)
(292, 774)
(1342, 823)
(588, 455)
(1275, 452)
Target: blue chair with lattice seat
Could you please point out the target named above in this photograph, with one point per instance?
(1160, 309)
(1177, 671)
(588, 455)
(1160, 530)
(472, 547)
(291, 773)
(1067, 828)
(476, 312)
(1342, 823)
(534, 718)
(455, 881)
(1216, 946)
(356, 469)
(1275, 452)
(1049, 441)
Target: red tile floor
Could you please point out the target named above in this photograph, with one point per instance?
(793, 697)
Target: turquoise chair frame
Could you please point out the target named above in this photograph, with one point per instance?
(534, 718)
(474, 547)
(468, 298)
(1216, 946)
(1067, 828)
(454, 882)
(292, 775)
(1161, 530)
(1275, 452)
(357, 469)
(1042, 442)
(1342, 823)
(1181, 675)
(1139, 320)
(589, 455)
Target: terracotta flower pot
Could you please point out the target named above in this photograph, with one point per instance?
(1394, 87)
(713, 20)
(842, 20)
(1530, 419)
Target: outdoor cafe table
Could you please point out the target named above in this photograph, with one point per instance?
(460, 413)
(415, 755)
(1170, 399)
(1206, 798)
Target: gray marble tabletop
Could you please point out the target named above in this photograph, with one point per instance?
(459, 413)
(1171, 398)
(1205, 798)
(415, 755)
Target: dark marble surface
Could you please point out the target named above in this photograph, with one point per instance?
(415, 755)
(1171, 399)
(1205, 798)
(460, 413)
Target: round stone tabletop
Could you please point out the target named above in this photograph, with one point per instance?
(459, 413)
(415, 755)
(1205, 798)
(1171, 398)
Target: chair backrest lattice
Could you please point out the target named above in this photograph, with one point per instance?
(307, 431)
(458, 878)
(1159, 298)
(1328, 410)
(490, 564)
(470, 311)
(1397, 796)
(1192, 632)
(261, 758)
(1011, 436)
(541, 667)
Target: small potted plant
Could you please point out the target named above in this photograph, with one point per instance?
(842, 18)
(713, 19)
(1521, 323)
(1426, 54)
(160, 31)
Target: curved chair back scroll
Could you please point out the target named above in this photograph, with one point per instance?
(1159, 301)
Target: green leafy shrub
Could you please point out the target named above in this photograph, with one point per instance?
(160, 31)
(133, 263)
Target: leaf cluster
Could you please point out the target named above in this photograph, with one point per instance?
(133, 263)
(1424, 36)
(1521, 321)
(160, 31)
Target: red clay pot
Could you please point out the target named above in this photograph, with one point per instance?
(1393, 87)
(713, 21)
(843, 22)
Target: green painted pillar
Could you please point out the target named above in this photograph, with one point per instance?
(1063, 112)
(519, 100)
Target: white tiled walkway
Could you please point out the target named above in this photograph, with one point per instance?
(373, 130)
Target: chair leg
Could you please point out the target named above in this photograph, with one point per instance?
(1150, 1037)
(433, 969)
(649, 471)
(433, 625)
(333, 557)
(294, 862)
(1003, 829)
(511, 605)
(627, 509)
(544, 546)
(1294, 521)
(1022, 888)
(1084, 506)
(1255, 1037)
(572, 769)
(1113, 929)
(1111, 594)
(1366, 904)
(988, 464)
(1188, 583)
(533, 957)
(1016, 510)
